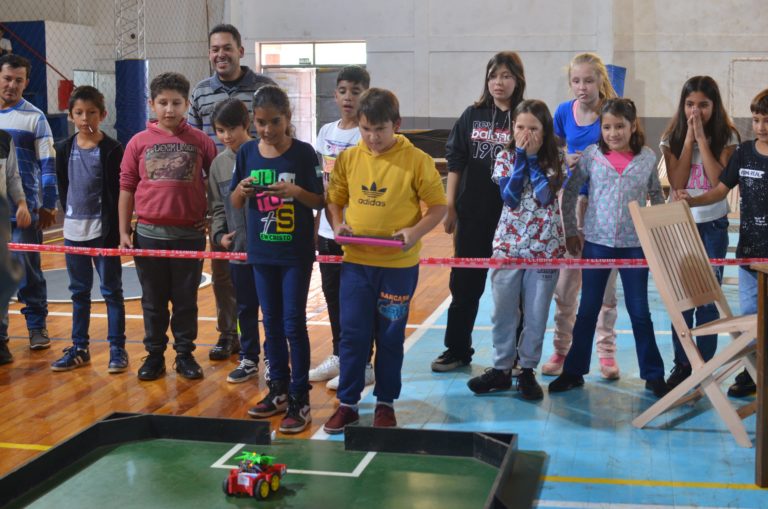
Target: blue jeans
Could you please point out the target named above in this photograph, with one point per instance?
(247, 310)
(635, 284)
(80, 270)
(373, 299)
(283, 291)
(714, 234)
(33, 291)
(747, 291)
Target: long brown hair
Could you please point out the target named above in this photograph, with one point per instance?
(512, 61)
(550, 156)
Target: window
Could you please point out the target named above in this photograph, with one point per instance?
(300, 54)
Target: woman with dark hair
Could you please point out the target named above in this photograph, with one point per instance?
(474, 204)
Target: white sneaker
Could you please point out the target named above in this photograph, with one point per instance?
(333, 383)
(327, 369)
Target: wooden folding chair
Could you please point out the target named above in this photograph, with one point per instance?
(685, 280)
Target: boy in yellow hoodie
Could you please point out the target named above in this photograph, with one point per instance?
(380, 182)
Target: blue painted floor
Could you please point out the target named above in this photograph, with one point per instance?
(686, 458)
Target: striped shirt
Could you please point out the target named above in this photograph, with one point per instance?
(34, 151)
(211, 91)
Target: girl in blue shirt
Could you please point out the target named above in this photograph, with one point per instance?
(280, 226)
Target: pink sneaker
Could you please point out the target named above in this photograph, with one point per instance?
(609, 369)
(554, 366)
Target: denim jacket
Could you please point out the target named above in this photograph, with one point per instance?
(607, 221)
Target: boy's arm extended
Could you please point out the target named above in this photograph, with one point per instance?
(431, 218)
(125, 214)
(335, 215)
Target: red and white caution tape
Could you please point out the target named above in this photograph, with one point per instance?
(462, 263)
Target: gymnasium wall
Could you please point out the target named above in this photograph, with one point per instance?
(432, 53)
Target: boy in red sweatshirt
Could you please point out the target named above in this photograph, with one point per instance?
(162, 178)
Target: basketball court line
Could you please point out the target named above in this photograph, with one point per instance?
(357, 472)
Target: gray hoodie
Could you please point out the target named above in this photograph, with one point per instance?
(224, 217)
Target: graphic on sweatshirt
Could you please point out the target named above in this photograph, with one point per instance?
(171, 161)
(487, 140)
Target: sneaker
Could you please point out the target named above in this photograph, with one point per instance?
(491, 380)
(679, 373)
(187, 366)
(528, 386)
(73, 358)
(384, 416)
(327, 369)
(246, 370)
(5, 353)
(658, 386)
(275, 402)
(266, 369)
(743, 387)
(153, 367)
(297, 417)
(225, 347)
(370, 378)
(554, 366)
(447, 361)
(38, 339)
(118, 359)
(609, 369)
(343, 416)
(565, 382)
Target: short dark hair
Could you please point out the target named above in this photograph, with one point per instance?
(760, 103)
(625, 108)
(87, 93)
(231, 112)
(169, 81)
(379, 106)
(354, 74)
(228, 29)
(15, 62)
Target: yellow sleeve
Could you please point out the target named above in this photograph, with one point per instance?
(429, 184)
(338, 187)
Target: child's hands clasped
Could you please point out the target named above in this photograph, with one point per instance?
(528, 141)
(696, 127)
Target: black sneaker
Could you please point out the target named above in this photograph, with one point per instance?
(225, 347)
(678, 374)
(447, 361)
(491, 380)
(297, 417)
(118, 360)
(246, 370)
(528, 386)
(5, 353)
(73, 358)
(743, 387)
(565, 382)
(658, 386)
(275, 402)
(153, 367)
(38, 339)
(187, 366)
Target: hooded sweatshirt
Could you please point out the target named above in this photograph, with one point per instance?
(166, 172)
(478, 136)
(382, 193)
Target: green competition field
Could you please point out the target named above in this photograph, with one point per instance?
(158, 461)
(168, 473)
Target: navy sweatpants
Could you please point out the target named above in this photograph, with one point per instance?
(373, 299)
